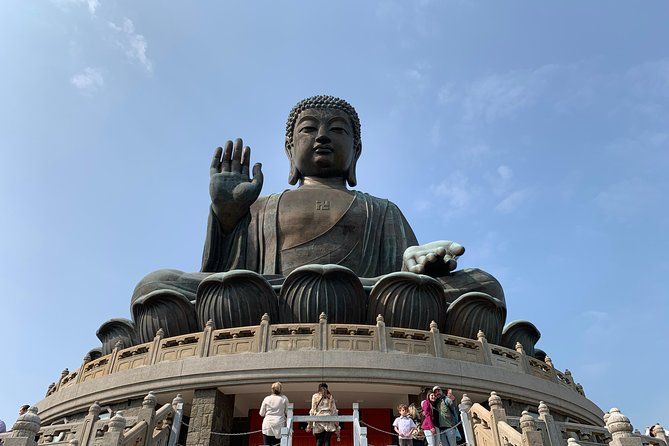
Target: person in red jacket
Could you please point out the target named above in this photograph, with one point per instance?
(429, 424)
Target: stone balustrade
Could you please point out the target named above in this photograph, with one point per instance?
(318, 336)
(152, 426)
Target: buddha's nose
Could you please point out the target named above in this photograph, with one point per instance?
(322, 138)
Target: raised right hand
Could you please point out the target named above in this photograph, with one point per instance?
(232, 191)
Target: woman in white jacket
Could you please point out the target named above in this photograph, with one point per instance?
(273, 409)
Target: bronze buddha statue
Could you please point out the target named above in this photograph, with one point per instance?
(359, 238)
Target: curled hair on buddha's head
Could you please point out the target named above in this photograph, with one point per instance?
(323, 102)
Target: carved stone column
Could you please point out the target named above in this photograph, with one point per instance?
(211, 411)
(621, 429)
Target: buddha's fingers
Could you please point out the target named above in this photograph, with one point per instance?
(216, 161)
(410, 263)
(456, 249)
(246, 158)
(257, 176)
(451, 264)
(418, 269)
(431, 258)
(236, 165)
(227, 155)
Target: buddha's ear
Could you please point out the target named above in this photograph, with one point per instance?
(294, 175)
(351, 179)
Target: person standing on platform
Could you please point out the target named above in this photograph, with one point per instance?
(323, 404)
(404, 426)
(430, 418)
(445, 419)
(273, 410)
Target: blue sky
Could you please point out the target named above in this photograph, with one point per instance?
(534, 134)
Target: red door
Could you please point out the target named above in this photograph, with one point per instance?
(379, 418)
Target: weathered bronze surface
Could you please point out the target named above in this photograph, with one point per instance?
(321, 221)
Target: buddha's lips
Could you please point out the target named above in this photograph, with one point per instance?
(323, 150)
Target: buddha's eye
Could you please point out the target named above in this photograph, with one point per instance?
(307, 129)
(341, 130)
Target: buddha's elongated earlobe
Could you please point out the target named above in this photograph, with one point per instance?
(351, 178)
(294, 174)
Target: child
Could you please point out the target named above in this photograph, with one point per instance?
(404, 426)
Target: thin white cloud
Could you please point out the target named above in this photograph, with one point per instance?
(627, 198)
(513, 201)
(133, 43)
(88, 81)
(456, 191)
(92, 5)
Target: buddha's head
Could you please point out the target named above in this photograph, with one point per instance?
(323, 139)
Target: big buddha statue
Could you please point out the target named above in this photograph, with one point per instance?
(319, 247)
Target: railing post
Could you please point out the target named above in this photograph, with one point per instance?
(524, 362)
(323, 328)
(549, 363)
(381, 334)
(263, 340)
(114, 436)
(621, 429)
(465, 406)
(531, 436)
(86, 359)
(485, 347)
(112, 360)
(660, 433)
(63, 374)
(436, 340)
(25, 429)
(205, 340)
(155, 347)
(553, 435)
(178, 408)
(497, 414)
(88, 429)
(148, 413)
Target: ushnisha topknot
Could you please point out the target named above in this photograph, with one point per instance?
(320, 102)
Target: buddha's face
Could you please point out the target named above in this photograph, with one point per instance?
(323, 143)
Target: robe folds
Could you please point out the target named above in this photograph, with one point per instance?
(377, 236)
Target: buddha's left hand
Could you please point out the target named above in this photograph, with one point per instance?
(434, 259)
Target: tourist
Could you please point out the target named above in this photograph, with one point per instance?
(417, 434)
(323, 404)
(445, 419)
(23, 409)
(455, 410)
(3, 428)
(404, 426)
(273, 409)
(430, 417)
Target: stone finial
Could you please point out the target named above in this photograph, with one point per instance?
(87, 357)
(177, 400)
(568, 375)
(117, 422)
(27, 425)
(543, 409)
(50, 389)
(549, 361)
(264, 318)
(323, 318)
(579, 389)
(465, 403)
(658, 430)
(94, 409)
(64, 373)
(494, 401)
(519, 348)
(605, 417)
(150, 401)
(119, 344)
(481, 336)
(209, 324)
(380, 319)
(618, 424)
(572, 442)
(433, 326)
(160, 333)
(527, 423)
